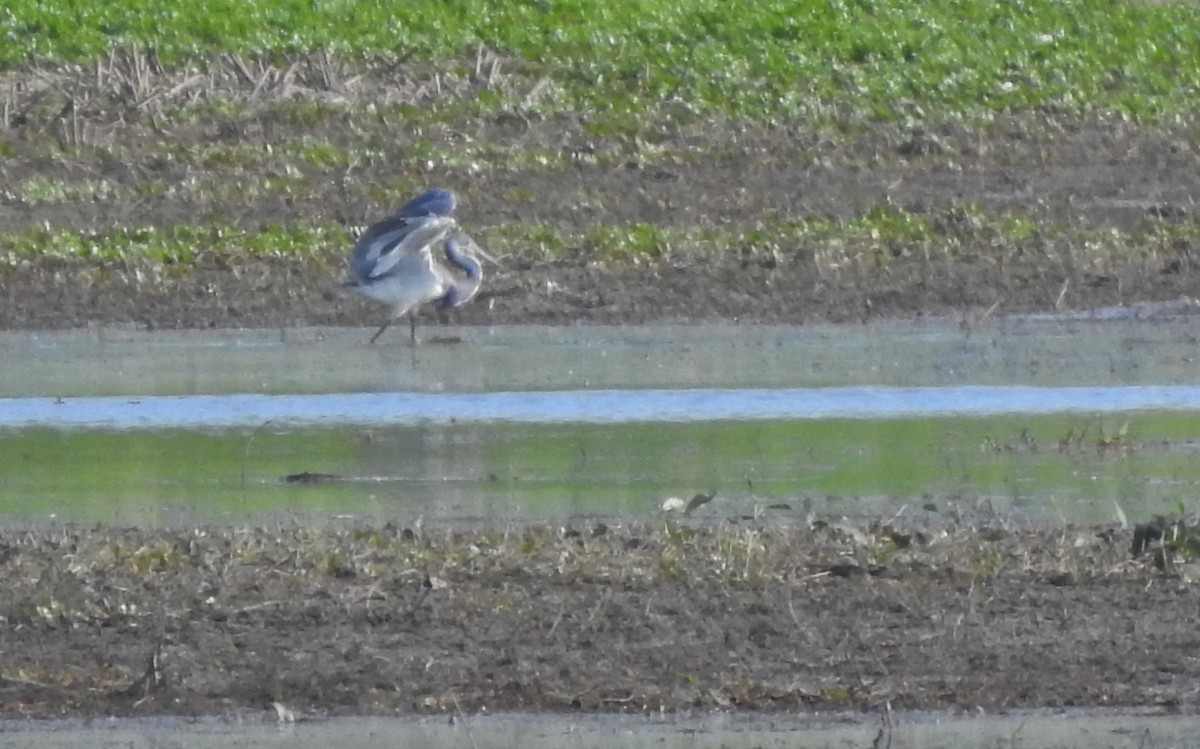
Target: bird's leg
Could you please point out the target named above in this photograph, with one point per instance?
(380, 331)
(412, 328)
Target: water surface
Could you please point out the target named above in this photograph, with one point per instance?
(1082, 730)
(1051, 419)
(586, 406)
(335, 360)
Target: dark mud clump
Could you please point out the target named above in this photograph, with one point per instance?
(379, 620)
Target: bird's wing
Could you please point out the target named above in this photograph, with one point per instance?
(386, 243)
(416, 237)
(381, 246)
(433, 202)
(374, 252)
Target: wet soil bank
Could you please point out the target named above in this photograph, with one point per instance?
(747, 615)
(282, 292)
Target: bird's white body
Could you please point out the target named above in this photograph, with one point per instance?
(416, 282)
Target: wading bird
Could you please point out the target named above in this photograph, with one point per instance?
(393, 260)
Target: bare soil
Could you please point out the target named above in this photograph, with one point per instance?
(750, 615)
(1086, 179)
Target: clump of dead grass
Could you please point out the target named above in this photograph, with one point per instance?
(83, 104)
(74, 576)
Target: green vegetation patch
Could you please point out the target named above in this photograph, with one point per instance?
(856, 60)
(171, 245)
(884, 235)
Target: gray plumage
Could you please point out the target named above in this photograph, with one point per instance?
(393, 261)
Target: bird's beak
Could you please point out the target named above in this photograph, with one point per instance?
(474, 248)
(479, 251)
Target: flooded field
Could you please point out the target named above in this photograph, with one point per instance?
(892, 506)
(1051, 419)
(1047, 467)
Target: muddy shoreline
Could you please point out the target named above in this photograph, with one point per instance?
(281, 293)
(748, 615)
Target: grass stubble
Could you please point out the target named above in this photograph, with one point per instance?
(759, 612)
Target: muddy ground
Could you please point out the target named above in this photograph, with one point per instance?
(753, 614)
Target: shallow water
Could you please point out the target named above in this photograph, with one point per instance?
(329, 360)
(586, 406)
(1080, 730)
(1043, 467)
(1051, 419)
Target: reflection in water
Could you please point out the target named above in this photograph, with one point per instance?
(1079, 466)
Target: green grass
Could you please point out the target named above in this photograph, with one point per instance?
(176, 244)
(875, 239)
(678, 84)
(681, 60)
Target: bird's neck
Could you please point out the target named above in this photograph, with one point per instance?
(465, 263)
